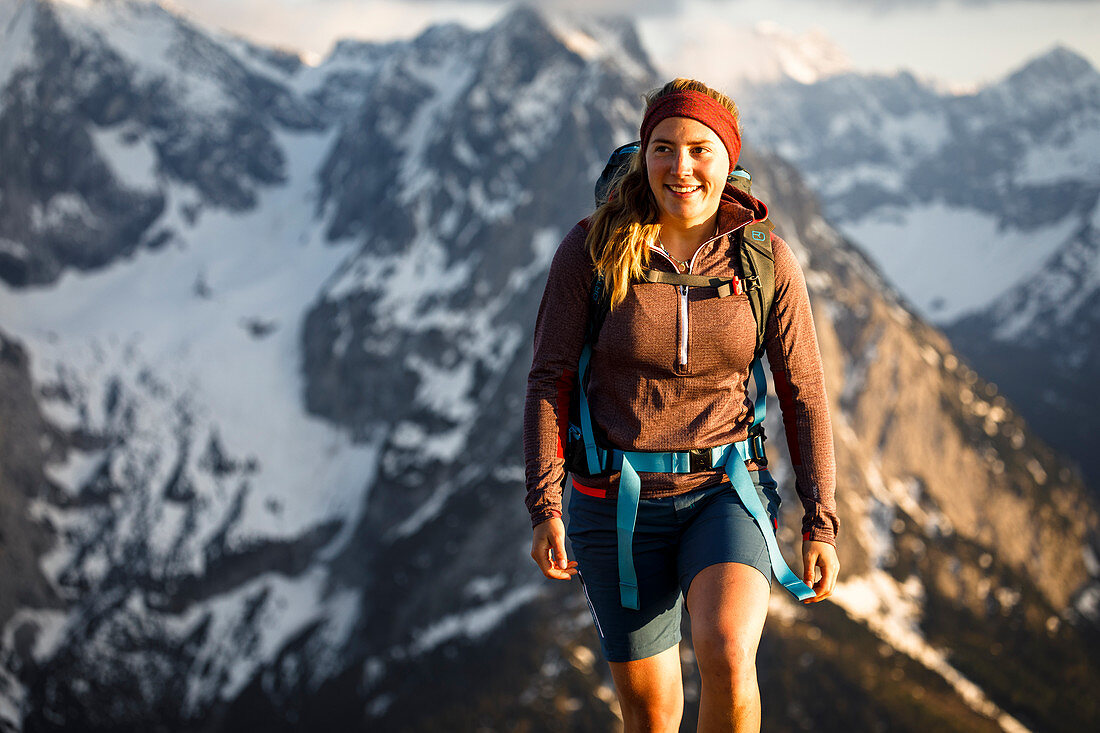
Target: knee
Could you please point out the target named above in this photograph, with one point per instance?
(651, 713)
(725, 657)
(651, 707)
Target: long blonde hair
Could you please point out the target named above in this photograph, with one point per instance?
(622, 230)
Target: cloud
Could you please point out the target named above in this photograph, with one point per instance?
(312, 26)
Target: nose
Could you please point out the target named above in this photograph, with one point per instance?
(681, 166)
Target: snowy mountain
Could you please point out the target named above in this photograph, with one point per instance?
(981, 209)
(260, 459)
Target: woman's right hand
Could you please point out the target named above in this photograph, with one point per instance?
(548, 550)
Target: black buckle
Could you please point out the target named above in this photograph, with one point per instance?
(756, 443)
(699, 459)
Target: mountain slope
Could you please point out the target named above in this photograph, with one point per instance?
(118, 100)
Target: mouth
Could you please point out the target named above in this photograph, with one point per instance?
(683, 190)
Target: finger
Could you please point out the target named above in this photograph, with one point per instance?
(555, 573)
(824, 587)
(559, 552)
(540, 553)
(829, 573)
(809, 563)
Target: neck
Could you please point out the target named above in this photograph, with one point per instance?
(682, 240)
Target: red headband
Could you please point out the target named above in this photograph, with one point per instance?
(701, 108)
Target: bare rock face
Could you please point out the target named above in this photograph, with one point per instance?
(26, 443)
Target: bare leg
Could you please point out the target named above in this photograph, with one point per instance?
(728, 604)
(651, 692)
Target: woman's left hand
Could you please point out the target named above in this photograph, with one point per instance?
(820, 555)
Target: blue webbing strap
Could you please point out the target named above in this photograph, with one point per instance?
(626, 512)
(746, 491)
(760, 406)
(586, 417)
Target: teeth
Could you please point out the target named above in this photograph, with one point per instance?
(684, 189)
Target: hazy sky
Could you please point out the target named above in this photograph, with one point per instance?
(959, 41)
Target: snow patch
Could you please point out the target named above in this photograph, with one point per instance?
(16, 38)
(1092, 563)
(444, 391)
(282, 607)
(49, 626)
(878, 526)
(892, 610)
(132, 159)
(61, 210)
(1088, 603)
(12, 696)
(473, 623)
(13, 249)
(907, 242)
(1071, 156)
(76, 469)
(482, 588)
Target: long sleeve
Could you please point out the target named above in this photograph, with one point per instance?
(559, 338)
(795, 360)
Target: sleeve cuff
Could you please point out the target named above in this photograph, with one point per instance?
(542, 515)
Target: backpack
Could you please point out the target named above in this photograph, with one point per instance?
(582, 457)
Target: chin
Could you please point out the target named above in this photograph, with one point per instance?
(684, 214)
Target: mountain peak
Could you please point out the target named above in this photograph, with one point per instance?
(1060, 64)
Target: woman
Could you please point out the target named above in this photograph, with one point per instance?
(668, 373)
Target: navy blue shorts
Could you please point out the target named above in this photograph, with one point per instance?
(674, 538)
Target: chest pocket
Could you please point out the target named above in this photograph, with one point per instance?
(721, 334)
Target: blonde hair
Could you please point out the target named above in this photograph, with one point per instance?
(622, 230)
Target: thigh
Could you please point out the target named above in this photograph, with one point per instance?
(728, 604)
(627, 635)
(721, 530)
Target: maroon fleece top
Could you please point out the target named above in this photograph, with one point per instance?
(644, 395)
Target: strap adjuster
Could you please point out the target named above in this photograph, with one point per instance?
(756, 443)
(699, 459)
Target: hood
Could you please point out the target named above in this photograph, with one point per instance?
(739, 208)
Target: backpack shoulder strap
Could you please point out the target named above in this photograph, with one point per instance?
(598, 302)
(758, 267)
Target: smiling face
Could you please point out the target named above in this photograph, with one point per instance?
(687, 166)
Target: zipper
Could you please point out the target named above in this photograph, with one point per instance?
(682, 359)
(684, 324)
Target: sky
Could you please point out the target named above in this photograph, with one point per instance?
(963, 43)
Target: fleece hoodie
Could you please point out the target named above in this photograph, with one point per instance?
(670, 368)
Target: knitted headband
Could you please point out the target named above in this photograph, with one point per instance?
(701, 108)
